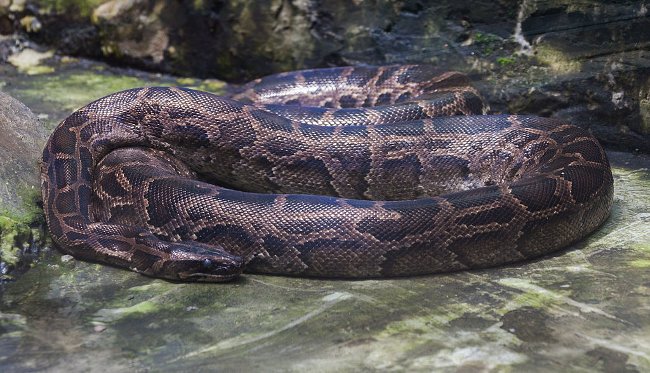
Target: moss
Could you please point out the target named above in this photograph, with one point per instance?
(505, 61)
(112, 314)
(557, 60)
(640, 263)
(68, 91)
(82, 8)
(11, 231)
(487, 43)
(530, 296)
(16, 227)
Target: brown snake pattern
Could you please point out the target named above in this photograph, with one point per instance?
(397, 191)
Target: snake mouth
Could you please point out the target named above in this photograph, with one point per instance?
(202, 277)
(226, 275)
(223, 269)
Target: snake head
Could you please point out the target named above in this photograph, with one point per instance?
(197, 263)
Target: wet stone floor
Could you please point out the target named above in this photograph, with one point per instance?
(584, 309)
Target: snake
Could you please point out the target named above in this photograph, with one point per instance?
(344, 172)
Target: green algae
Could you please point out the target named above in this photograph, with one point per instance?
(72, 90)
(640, 263)
(82, 8)
(557, 60)
(506, 61)
(19, 229)
(12, 234)
(73, 86)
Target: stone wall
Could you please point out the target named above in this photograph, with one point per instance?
(586, 61)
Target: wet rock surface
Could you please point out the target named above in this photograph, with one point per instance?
(583, 309)
(22, 140)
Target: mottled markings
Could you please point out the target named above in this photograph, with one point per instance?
(586, 181)
(66, 171)
(482, 249)
(404, 97)
(558, 162)
(387, 74)
(161, 213)
(298, 202)
(65, 202)
(271, 121)
(420, 258)
(192, 134)
(342, 252)
(453, 165)
(53, 221)
(475, 197)
(587, 149)
(498, 214)
(84, 196)
(226, 234)
(73, 236)
(567, 134)
(536, 194)
(409, 129)
(411, 222)
(64, 142)
(75, 222)
(115, 244)
(360, 203)
(85, 163)
(282, 146)
(474, 103)
(120, 214)
(404, 171)
(314, 225)
(347, 101)
(470, 125)
(111, 186)
(360, 77)
(354, 131)
(383, 99)
(310, 234)
(142, 260)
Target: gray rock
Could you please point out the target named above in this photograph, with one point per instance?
(586, 62)
(20, 149)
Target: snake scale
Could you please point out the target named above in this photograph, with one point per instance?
(348, 172)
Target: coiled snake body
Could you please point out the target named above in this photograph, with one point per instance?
(392, 190)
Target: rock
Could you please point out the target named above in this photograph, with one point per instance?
(134, 30)
(31, 61)
(20, 149)
(608, 95)
(585, 62)
(21, 146)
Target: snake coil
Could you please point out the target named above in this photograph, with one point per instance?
(344, 172)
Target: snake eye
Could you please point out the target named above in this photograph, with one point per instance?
(207, 263)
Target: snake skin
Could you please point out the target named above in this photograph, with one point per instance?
(129, 179)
